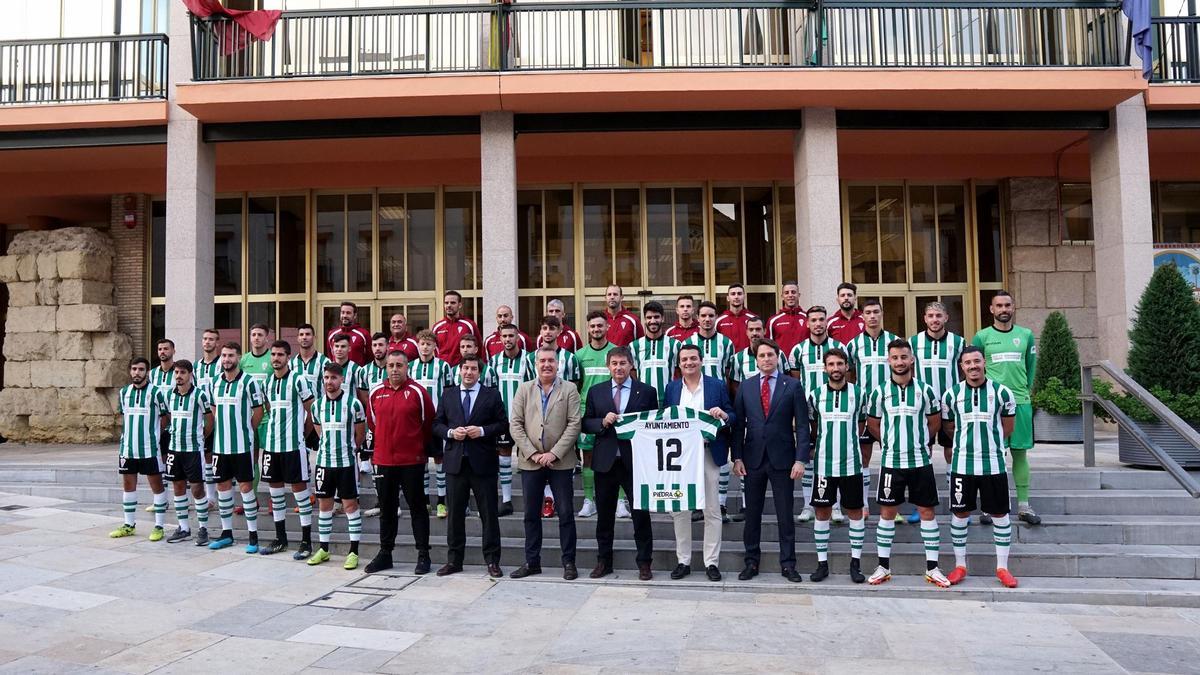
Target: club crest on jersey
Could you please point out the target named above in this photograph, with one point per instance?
(1016, 342)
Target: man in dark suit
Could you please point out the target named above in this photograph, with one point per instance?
(701, 392)
(770, 445)
(612, 459)
(471, 417)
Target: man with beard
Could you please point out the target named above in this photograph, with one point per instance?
(238, 402)
(807, 363)
(505, 371)
(685, 319)
(492, 344)
(285, 457)
(846, 323)
(453, 328)
(593, 368)
(623, 326)
(191, 421)
(869, 357)
(144, 417)
(789, 325)
(163, 376)
(360, 339)
(654, 353)
(732, 322)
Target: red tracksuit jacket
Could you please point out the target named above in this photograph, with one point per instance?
(401, 422)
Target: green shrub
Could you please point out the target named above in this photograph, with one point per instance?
(1056, 398)
(1164, 350)
(1058, 355)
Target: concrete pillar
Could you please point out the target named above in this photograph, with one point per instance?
(1120, 167)
(191, 184)
(499, 200)
(818, 208)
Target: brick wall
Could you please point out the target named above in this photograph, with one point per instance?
(129, 268)
(1044, 274)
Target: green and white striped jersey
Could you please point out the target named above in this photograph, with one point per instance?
(937, 360)
(568, 366)
(716, 354)
(349, 378)
(285, 411)
(837, 414)
(371, 375)
(507, 375)
(312, 370)
(187, 418)
(655, 361)
(903, 429)
(976, 413)
(336, 418)
(163, 379)
(743, 366)
(433, 374)
(234, 403)
(140, 408)
(808, 357)
(870, 359)
(206, 373)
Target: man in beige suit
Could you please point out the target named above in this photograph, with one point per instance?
(544, 424)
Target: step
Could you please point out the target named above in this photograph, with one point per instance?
(1032, 559)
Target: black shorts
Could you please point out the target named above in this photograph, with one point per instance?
(145, 466)
(504, 441)
(845, 490)
(915, 486)
(238, 467)
(312, 440)
(336, 482)
(164, 441)
(185, 466)
(865, 438)
(991, 488)
(285, 467)
(943, 439)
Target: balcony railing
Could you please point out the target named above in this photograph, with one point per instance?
(69, 70)
(1176, 49)
(639, 34)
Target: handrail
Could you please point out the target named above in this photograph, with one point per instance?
(1089, 398)
(78, 69)
(1176, 56)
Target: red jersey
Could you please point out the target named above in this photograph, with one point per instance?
(448, 332)
(623, 328)
(407, 344)
(788, 328)
(733, 326)
(360, 343)
(569, 340)
(401, 420)
(682, 333)
(493, 346)
(844, 330)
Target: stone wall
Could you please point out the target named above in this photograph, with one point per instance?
(129, 272)
(65, 359)
(1045, 274)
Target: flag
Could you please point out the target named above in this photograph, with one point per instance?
(1138, 12)
(259, 23)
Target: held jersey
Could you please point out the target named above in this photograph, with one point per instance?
(434, 375)
(937, 360)
(507, 374)
(207, 372)
(870, 359)
(836, 413)
(654, 361)
(233, 405)
(668, 456)
(977, 414)
(568, 365)
(312, 370)
(743, 366)
(140, 408)
(716, 353)
(187, 418)
(808, 357)
(1011, 358)
(285, 411)
(902, 412)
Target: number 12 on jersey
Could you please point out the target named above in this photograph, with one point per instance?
(668, 457)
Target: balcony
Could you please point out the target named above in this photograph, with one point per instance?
(83, 70)
(1176, 50)
(663, 35)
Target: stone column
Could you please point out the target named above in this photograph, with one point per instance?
(1120, 167)
(818, 207)
(499, 200)
(191, 181)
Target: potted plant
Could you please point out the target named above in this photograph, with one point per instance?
(1164, 357)
(1058, 413)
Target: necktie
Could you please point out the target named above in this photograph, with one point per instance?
(766, 394)
(467, 405)
(617, 398)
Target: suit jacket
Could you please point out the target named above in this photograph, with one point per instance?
(487, 412)
(559, 426)
(642, 397)
(781, 437)
(716, 395)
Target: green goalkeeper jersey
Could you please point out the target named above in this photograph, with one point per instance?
(1011, 358)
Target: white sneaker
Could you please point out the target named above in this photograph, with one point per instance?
(365, 467)
(806, 515)
(588, 510)
(935, 577)
(370, 513)
(838, 517)
(623, 509)
(880, 575)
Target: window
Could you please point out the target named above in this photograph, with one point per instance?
(1178, 218)
(1075, 208)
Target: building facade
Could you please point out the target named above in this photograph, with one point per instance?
(521, 152)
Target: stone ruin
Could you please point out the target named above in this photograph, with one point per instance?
(65, 360)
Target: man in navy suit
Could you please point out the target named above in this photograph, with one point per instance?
(770, 444)
(612, 458)
(700, 392)
(471, 417)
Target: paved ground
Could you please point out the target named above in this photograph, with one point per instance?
(73, 600)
